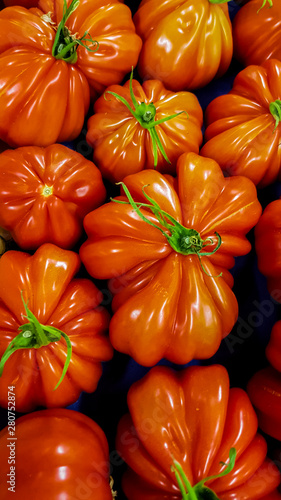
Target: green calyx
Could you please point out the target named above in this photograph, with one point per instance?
(219, 1)
(275, 110)
(270, 2)
(33, 335)
(145, 115)
(182, 239)
(65, 44)
(200, 491)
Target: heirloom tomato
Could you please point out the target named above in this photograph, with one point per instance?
(44, 314)
(59, 454)
(190, 422)
(264, 389)
(46, 193)
(51, 58)
(126, 135)
(243, 130)
(268, 246)
(167, 252)
(257, 32)
(186, 43)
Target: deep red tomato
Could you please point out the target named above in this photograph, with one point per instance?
(167, 302)
(46, 193)
(124, 142)
(192, 417)
(186, 43)
(59, 454)
(264, 390)
(257, 32)
(268, 247)
(57, 300)
(243, 131)
(273, 348)
(46, 80)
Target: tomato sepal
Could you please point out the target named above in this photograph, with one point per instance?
(200, 491)
(145, 114)
(65, 44)
(33, 335)
(186, 241)
(275, 110)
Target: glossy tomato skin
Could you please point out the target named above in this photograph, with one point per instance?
(44, 100)
(193, 417)
(186, 43)
(264, 389)
(59, 454)
(122, 146)
(46, 193)
(53, 294)
(256, 35)
(241, 133)
(268, 247)
(164, 304)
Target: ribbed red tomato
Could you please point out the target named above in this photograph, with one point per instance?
(45, 194)
(51, 60)
(164, 255)
(186, 43)
(63, 311)
(257, 32)
(58, 454)
(194, 418)
(243, 127)
(126, 141)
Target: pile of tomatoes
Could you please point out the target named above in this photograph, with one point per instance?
(140, 270)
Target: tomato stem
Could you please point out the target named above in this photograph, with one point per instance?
(275, 110)
(33, 335)
(182, 239)
(65, 44)
(47, 190)
(264, 3)
(145, 114)
(200, 491)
